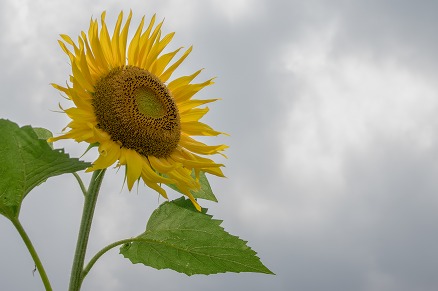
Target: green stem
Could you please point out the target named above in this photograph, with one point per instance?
(84, 230)
(32, 252)
(107, 248)
(103, 251)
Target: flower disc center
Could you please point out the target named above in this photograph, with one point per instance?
(148, 103)
(137, 110)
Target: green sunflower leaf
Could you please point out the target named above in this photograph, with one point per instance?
(27, 160)
(43, 133)
(204, 192)
(180, 238)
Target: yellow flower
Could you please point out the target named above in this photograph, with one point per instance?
(124, 102)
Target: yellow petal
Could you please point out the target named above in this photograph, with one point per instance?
(182, 81)
(84, 67)
(80, 102)
(205, 164)
(162, 165)
(147, 44)
(115, 41)
(157, 188)
(109, 153)
(199, 147)
(198, 128)
(105, 42)
(183, 179)
(161, 63)
(134, 165)
(148, 174)
(186, 92)
(194, 114)
(67, 39)
(123, 39)
(95, 70)
(192, 103)
(192, 199)
(133, 48)
(81, 79)
(96, 48)
(156, 49)
(80, 114)
(60, 88)
(166, 75)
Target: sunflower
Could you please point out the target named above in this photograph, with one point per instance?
(125, 102)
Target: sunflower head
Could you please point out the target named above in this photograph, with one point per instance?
(125, 102)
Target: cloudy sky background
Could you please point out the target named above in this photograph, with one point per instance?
(332, 171)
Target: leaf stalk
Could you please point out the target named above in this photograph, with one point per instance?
(33, 253)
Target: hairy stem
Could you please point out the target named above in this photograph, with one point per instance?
(32, 252)
(84, 230)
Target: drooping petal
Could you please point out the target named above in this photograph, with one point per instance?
(156, 188)
(199, 147)
(134, 165)
(109, 153)
(195, 163)
(148, 174)
(162, 165)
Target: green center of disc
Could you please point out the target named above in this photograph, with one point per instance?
(148, 103)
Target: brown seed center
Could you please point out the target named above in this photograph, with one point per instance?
(136, 109)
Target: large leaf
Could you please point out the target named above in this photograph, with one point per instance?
(27, 160)
(204, 192)
(180, 238)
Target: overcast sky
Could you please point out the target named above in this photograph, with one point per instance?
(333, 159)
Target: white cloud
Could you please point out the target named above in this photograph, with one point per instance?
(238, 10)
(340, 105)
(178, 14)
(347, 102)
